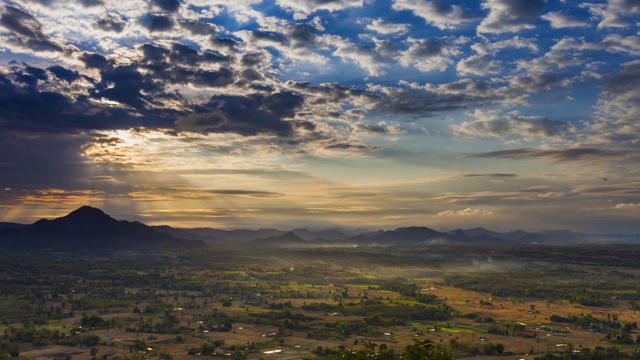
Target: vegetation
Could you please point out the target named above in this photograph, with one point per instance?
(324, 303)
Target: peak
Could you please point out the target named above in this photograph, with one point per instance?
(87, 210)
(87, 213)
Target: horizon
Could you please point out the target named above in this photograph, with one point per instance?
(282, 114)
(346, 230)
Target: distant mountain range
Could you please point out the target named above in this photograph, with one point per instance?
(90, 229)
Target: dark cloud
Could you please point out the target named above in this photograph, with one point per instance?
(91, 3)
(423, 104)
(125, 84)
(562, 155)
(245, 115)
(253, 58)
(301, 35)
(426, 48)
(332, 92)
(244, 192)
(155, 22)
(370, 128)
(348, 146)
(26, 107)
(27, 30)
(189, 56)
(101, 178)
(154, 54)
(181, 64)
(496, 175)
(224, 42)
(167, 5)
(64, 74)
(199, 27)
(111, 22)
(269, 36)
(625, 82)
(251, 75)
(204, 78)
(92, 60)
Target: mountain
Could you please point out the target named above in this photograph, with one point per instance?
(289, 239)
(329, 234)
(478, 231)
(188, 234)
(412, 235)
(234, 236)
(9, 225)
(90, 229)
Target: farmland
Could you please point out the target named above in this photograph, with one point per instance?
(302, 303)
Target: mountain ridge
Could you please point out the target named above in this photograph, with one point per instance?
(88, 228)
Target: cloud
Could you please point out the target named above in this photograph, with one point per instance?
(26, 30)
(614, 13)
(384, 27)
(64, 74)
(613, 43)
(156, 22)
(102, 178)
(111, 22)
(379, 128)
(464, 212)
(627, 206)
(496, 175)
(373, 58)
(245, 115)
(618, 109)
(479, 65)
(509, 126)
(510, 15)
(436, 13)
(302, 9)
(559, 20)
(483, 62)
(429, 55)
(167, 5)
(584, 155)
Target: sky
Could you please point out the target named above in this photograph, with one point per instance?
(377, 114)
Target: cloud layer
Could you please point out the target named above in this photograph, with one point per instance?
(378, 106)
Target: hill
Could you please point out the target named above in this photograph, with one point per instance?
(90, 229)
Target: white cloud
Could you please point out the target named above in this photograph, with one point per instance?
(479, 65)
(436, 13)
(429, 55)
(302, 9)
(492, 123)
(372, 58)
(386, 28)
(618, 110)
(559, 20)
(510, 15)
(627, 206)
(614, 43)
(464, 212)
(615, 13)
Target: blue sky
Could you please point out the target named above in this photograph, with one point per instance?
(355, 113)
